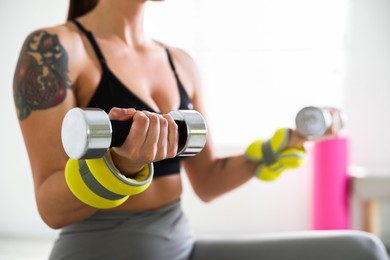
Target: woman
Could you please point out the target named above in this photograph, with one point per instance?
(102, 58)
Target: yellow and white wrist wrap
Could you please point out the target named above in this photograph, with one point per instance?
(98, 183)
(273, 156)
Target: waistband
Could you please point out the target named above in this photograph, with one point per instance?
(156, 221)
(128, 235)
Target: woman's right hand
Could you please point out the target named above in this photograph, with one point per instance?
(153, 137)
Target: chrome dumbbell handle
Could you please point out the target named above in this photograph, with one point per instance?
(314, 122)
(88, 133)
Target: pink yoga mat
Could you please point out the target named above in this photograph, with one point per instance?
(330, 189)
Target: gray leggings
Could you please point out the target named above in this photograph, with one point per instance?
(165, 234)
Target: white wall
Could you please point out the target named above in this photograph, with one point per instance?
(261, 62)
(367, 85)
(367, 91)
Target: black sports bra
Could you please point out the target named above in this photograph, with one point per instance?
(111, 92)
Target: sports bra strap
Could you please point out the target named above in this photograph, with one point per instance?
(92, 41)
(171, 63)
(183, 93)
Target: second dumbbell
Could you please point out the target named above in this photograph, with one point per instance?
(315, 122)
(88, 133)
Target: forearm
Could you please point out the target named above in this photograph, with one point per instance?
(212, 177)
(228, 174)
(57, 205)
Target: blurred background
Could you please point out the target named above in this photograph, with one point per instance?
(261, 61)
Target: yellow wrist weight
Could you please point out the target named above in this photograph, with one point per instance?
(273, 156)
(98, 183)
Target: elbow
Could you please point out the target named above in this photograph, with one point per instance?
(57, 218)
(52, 221)
(204, 195)
(54, 225)
(206, 199)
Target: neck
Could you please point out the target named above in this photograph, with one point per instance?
(122, 19)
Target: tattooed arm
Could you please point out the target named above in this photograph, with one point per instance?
(41, 79)
(43, 94)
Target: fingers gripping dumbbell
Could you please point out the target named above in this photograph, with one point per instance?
(274, 156)
(89, 133)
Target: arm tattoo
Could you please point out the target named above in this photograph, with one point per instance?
(41, 77)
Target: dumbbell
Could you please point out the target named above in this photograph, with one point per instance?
(314, 122)
(87, 133)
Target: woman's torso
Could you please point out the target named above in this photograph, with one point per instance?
(146, 75)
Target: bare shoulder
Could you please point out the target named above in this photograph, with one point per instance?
(52, 39)
(43, 75)
(183, 58)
